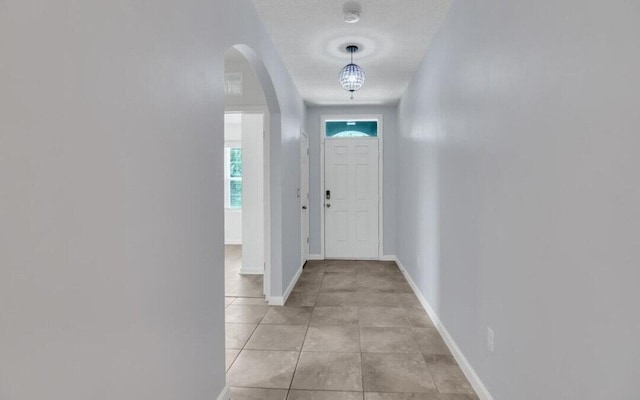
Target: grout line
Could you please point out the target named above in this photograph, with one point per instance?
(302, 347)
(361, 353)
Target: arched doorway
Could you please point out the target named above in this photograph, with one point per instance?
(251, 115)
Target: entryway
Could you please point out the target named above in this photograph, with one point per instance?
(352, 186)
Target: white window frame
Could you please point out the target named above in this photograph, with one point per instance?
(227, 174)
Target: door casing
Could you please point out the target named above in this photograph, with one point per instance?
(353, 117)
(304, 196)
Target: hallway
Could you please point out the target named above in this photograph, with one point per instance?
(351, 330)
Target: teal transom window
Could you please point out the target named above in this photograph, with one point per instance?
(345, 129)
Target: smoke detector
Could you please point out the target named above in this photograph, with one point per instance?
(351, 16)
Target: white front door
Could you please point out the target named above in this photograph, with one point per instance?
(351, 198)
(304, 195)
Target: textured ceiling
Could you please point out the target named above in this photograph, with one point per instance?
(393, 36)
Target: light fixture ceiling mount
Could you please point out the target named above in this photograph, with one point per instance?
(352, 76)
(352, 16)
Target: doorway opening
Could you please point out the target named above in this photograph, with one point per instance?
(252, 121)
(351, 187)
(244, 203)
(246, 179)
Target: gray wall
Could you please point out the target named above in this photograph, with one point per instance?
(518, 168)
(111, 212)
(313, 129)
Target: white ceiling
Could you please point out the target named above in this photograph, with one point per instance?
(393, 36)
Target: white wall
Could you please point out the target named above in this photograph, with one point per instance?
(518, 168)
(111, 213)
(233, 226)
(252, 194)
(252, 95)
(313, 128)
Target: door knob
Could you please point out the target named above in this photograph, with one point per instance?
(304, 207)
(328, 205)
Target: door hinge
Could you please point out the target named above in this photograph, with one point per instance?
(308, 152)
(307, 240)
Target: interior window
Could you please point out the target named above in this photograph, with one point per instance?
(233, 177)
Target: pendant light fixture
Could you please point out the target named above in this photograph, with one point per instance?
(352, 76)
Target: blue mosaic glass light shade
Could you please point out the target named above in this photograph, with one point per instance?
(352, 77)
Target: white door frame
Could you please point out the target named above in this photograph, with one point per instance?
(304, 235)
(266, 289)
(352, 117)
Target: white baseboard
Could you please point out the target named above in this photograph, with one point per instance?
(282, 300)
(225, 394)
(320, 257)
(233, 242)
(468, 370)
(252, 270)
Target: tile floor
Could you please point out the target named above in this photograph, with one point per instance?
(351, 330)
(235, 284)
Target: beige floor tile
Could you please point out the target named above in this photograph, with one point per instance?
(310, 272)
(419, 318)
(263, 369)
(302, 298)
(448, 376)
(339, 272)
(334, 299)
(375, 268)
(328, 371)
(237, 335)
(244, 285)
(277, 337)
(387, 340)
(444, 396)
(401, 396)
(337, 309)
(376, 299)
(383, 316)
(334, 316)
(323, 395)
(230, 357)
(430, 341)
(410, 300)
(333, 338)
(310, 279)
(288, 315)
(341, 266)
(251, 301)
(339, 283)
(258, 394)
(393, 373)
(383, 284)
(309, 285)
(241, 314)
(311, 265)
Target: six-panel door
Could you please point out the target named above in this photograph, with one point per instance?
(351, 198)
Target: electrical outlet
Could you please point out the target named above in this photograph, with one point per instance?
(491, 345)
